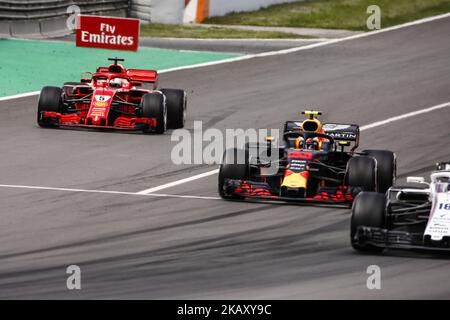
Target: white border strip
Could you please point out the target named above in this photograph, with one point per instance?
(404, 116)
(20, 95)
(279, 52)
(239, 39)
(14, 186)
(178, 182)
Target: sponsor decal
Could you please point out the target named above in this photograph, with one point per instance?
(101, 97)
(107, 32)
(100, 104)
(439, 224)
(300, 155)
(333, 126)
(101, 101)
(342, 135)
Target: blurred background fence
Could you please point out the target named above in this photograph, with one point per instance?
(48, 18)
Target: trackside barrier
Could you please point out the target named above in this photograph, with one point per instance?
(199, 10)
(47, 18)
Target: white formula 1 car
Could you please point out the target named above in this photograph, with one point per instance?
(405, 217)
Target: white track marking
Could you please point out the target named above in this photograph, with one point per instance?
(363, 128)
(404, 116)
(178, 182)
(14, 186)
(20, 95)
(279, 52)
(241, 39)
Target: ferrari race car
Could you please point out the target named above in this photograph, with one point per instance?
(114, 98)
(405, 217)
(317, 163)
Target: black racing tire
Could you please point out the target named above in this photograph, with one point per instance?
(368, 210)
(176, 102)
(386, 168)
(362, 173)
(231, 169)
(50, 100)
(153, 106)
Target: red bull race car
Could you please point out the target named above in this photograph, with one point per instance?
(414, 217)
(114, 98)
(317, 164)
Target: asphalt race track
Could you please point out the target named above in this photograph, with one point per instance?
(133, 246)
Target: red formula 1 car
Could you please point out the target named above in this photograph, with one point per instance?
(114, 98)
(312, 166)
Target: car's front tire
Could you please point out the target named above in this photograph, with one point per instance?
(153, 106)
(50, 100)
(368, 210)
(234, 166)
(176, 101)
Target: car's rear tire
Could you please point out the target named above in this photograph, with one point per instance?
(386, 168)
(176, 101)
(233, 168)
(368, 210)
(361, 173)
(50, 100)
(153, 106)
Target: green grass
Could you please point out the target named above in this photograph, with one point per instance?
(182, 31)
(336, 14)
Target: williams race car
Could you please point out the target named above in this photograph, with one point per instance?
(317, 163)
(113, 98)
(405, 217)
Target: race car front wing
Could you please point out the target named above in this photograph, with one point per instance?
(74, 120)
(399, 239)
(341, 195)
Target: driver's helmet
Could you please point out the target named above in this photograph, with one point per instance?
(117, 82)
(310, 143)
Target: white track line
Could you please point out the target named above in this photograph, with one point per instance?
(404, 116)
(178, 182)
(14, 186)
(279, 52)
(20, 95)
(238, 40)
(363, 128)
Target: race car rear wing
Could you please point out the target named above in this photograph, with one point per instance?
(142, 75)
(149, 76)
(343, 134)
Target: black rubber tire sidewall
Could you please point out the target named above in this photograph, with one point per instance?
(50, 100)
(230, 169)
(153, 106)
(386, 168)
(361, 172)
(369, 210)
(176, 102)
